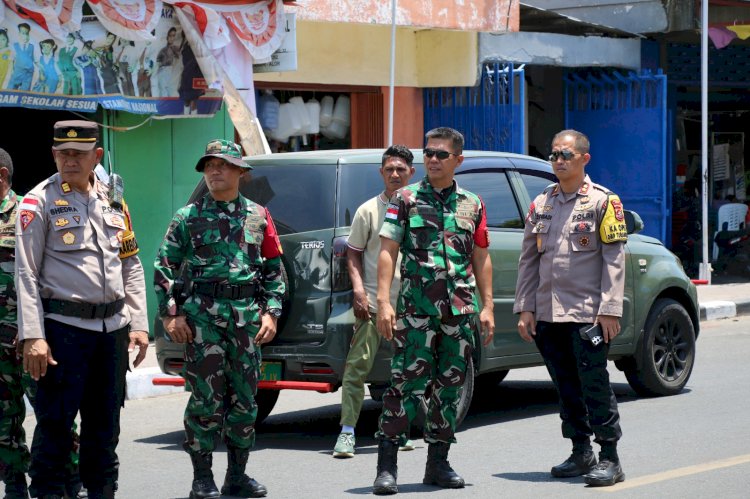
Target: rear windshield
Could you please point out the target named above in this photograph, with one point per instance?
(299, 197)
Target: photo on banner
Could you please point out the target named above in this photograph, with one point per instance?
(93, 67)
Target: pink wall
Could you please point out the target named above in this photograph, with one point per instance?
(475, 15)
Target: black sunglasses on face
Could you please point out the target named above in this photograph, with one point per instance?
(564, 154)
(437, 152)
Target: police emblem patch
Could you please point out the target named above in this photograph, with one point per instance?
(69, 238)
(61, 222)
(77, 218)
(26, 216)
(547, 208)
(583, 241)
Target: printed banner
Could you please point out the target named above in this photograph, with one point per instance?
(133, 19)
(94, 67)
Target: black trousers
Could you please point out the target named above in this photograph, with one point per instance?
(579, 370)
(89, 377)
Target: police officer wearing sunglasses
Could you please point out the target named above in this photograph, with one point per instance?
(569, 294)
(441, 232)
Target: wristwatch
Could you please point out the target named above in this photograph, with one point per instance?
(274, 312)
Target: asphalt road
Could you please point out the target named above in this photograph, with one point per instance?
(693, 445)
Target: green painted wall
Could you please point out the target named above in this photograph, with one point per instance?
(157, 163)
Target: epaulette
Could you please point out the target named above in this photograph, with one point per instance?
(601, 188)
(549, 187)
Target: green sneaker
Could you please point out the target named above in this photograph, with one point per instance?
(344, 445)
(408, 445)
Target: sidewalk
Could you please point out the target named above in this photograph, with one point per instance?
(717, 301)
(721, 301)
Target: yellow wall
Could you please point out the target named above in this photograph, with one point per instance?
(359, 54)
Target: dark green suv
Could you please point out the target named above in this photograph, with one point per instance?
(313, 196)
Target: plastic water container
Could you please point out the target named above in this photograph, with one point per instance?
(268, 110)
(342, 110)
(300, 110)
(326, 111)
(313, 111)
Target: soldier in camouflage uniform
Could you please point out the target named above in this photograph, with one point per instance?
(14, 454)
(229, 248)
(441, 231)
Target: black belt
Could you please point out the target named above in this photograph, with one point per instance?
(81, 309)
(231, 291)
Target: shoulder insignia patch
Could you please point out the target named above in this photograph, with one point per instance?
(612, 228)
(26, 217)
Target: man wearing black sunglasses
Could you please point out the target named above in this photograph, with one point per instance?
(441, 231)
(569, 294)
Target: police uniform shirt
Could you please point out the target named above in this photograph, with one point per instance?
(69, 248)
(567, 272)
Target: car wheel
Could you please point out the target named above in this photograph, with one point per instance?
(266, 400)
(668, 351)
(464, 399)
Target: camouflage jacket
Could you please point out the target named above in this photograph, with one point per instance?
(437, 233)
(8, 211)
(222, 242)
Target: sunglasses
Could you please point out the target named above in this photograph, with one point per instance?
(436, 152)
(564, 154)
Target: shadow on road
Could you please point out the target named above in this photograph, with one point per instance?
(313, 429)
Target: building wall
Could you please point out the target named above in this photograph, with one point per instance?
(157, 163)
(477, 15)
(359, 54)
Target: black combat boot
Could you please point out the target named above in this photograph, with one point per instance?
(204, 486)
(15, 486)
(237, 483)
(105, 492)
(579, 463)
(385, 482)
(608, 471)
(438, 470)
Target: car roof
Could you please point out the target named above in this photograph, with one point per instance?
(370, 156)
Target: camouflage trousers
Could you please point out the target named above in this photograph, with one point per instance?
(222, 368)
(14, 383)
(14, 454)
(428, 351)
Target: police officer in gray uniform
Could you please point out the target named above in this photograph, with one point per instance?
(81, 307)
(569, 294)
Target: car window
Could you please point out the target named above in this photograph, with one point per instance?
(495, 191)
(358, 184)
(299, 197)
(536, 181)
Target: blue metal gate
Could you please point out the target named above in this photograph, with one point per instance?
(625, 116)
(490, 115)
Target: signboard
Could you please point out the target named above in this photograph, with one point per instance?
(285, 58)
(93, 67)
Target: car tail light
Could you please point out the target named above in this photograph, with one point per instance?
(339, 270)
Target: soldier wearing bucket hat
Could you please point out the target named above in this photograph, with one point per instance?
(81, 307)
(223, 149)
(228, 247)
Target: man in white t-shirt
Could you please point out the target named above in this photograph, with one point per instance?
(362, 255)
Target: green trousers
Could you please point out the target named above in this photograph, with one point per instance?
(359, 362)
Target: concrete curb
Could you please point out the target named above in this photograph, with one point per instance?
(140, 384)
(712, 310)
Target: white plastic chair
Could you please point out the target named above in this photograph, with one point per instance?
(732, 214)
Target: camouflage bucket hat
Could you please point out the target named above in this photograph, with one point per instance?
(224, 149)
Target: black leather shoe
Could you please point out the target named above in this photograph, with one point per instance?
(576, 465)
(604, 474)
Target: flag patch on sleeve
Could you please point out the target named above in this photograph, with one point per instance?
(29, 204)
(392, 212)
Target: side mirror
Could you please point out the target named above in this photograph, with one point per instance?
(633, 222)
